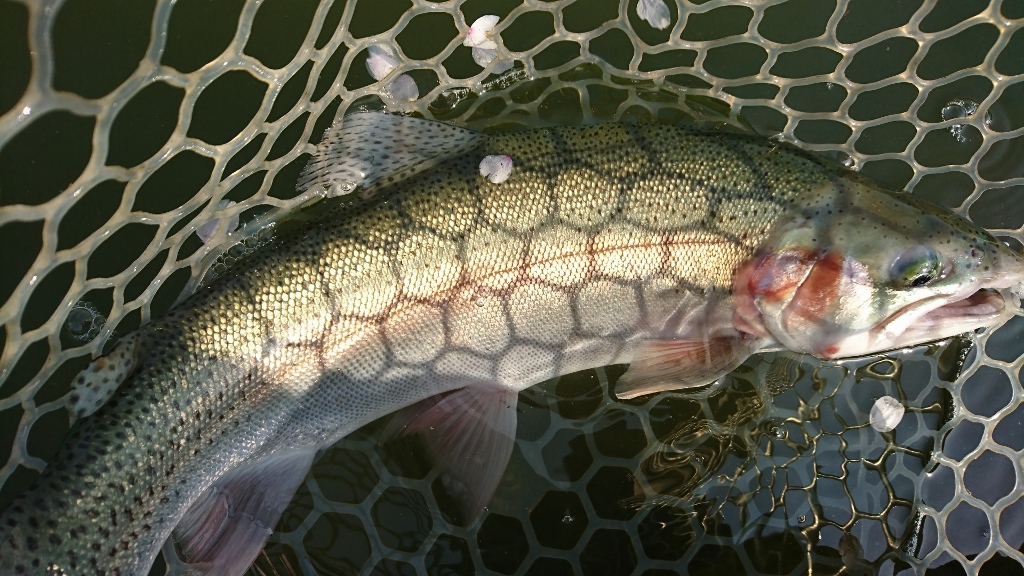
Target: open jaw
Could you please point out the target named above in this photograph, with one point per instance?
(930, 319)
(923, 321)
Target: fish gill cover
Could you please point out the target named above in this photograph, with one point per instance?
(134, 134)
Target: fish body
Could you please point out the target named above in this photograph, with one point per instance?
(441, 295)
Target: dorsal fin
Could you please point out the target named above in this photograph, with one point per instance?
(370, 149)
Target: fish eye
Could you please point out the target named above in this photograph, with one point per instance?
(915, 266)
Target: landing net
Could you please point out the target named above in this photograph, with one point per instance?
(144, 145)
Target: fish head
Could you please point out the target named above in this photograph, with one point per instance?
(854, 269)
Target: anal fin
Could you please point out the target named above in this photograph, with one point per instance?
(225, 529)
(470, 434)
(660, 365)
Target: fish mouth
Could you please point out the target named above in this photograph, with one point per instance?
(928, 320)
(983, 303)
(938, 318)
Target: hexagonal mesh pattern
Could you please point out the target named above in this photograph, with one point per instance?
(128, 126)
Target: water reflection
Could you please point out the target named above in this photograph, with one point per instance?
(775, 470)
(796, 460)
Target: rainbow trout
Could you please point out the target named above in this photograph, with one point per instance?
(442, 293)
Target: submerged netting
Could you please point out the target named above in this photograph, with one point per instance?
(134, 133)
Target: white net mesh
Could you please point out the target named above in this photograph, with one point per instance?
(128, 126)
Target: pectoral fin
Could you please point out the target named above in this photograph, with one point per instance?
(225, 529)
(470, 434)
(660, 365)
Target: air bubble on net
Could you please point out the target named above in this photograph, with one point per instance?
(962, 108)
(886, 414)
(450, 98)
(838, 156)
(338, 188)
(84, 322)
(480, 38)
(496, 168)
(209, 230)
(249, 239)
(479, 33)
(484, 56)
(380, 63)
(505, 79)
(655, 13)
(774, 430)
(403, 88)
(320, 191)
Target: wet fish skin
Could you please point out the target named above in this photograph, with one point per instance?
(604, 238)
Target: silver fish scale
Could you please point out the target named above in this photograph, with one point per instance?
(599, 236)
